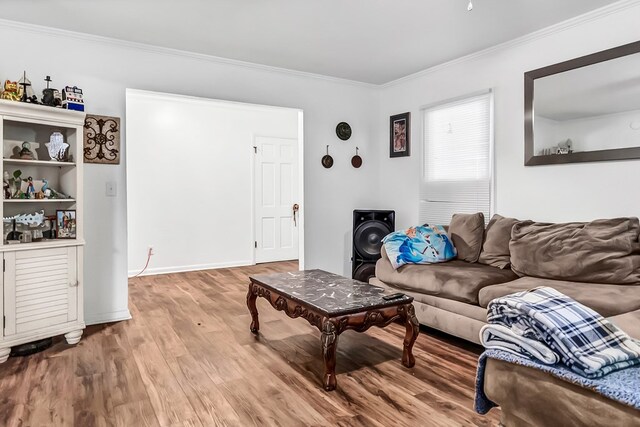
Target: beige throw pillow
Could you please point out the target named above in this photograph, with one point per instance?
(495, 249)
(467, 232)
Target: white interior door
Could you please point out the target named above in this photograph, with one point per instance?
(276, 193)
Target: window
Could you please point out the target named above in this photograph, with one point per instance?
(457, 162)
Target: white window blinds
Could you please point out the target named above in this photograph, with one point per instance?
(456, 173)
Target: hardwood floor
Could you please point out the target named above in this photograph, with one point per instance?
(187, 358)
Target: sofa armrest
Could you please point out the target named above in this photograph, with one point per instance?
(529, 397)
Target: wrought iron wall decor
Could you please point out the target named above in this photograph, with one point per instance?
(102, 139)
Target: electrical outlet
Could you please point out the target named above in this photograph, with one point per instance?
(111, 189)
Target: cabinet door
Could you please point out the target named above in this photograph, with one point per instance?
(40, 289)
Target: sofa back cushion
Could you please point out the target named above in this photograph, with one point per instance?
(602, 251)
(495, 249)
(467, 232)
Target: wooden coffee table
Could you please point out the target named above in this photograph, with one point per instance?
(333, 304)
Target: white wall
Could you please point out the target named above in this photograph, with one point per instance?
(552, 193)
(189, 179)
(105, 68)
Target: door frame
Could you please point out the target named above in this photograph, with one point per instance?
(300, 187)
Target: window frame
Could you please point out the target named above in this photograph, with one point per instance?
(492, 182)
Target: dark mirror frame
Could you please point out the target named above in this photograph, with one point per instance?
(584, 156)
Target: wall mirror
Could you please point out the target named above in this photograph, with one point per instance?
(584, 110)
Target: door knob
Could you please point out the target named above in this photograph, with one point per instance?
(295, 208)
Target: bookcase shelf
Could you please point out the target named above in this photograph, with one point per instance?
(40, 200)
(52, 265)
(50, 163)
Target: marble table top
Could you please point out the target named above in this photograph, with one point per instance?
(328, 293)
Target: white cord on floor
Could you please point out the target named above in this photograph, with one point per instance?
(149, 254)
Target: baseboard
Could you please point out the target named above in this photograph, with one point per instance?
(114, 316)
(195, 267)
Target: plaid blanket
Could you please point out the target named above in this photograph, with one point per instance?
(586, 342)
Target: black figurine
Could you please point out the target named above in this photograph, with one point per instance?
(50, 96)
(26, 89)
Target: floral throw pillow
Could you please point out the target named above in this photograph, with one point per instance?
(423, 244)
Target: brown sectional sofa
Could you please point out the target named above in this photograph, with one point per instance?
(597, 264)
(453, 296)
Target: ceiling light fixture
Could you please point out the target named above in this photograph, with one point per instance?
(470, 6)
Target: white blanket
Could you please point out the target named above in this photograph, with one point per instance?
(500, 337)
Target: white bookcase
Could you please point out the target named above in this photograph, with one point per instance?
(42, 289)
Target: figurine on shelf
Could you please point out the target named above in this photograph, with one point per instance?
(36, 218)
(25, 153)
(58, 195)
(17, 185)
(5, 185)
(26, 91)
(31, 191)
(51, 97)
(46, 191)
(57, 147)
(72, 98)
(10, 91)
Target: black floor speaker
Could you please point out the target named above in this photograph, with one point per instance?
(369, 227)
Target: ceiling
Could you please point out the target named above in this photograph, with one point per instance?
(372, 41)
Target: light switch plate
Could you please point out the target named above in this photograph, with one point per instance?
(111, 189)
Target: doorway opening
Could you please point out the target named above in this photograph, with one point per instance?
(191, 183)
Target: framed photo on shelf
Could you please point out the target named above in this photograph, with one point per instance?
(66, 224)
(400, 135)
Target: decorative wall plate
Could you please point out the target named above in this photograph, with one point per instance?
(356, 161)
(327, 160)
(343, 130)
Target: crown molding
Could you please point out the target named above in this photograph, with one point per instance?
(148, 94)
(56, 32)
(41, 112)
(528, 38)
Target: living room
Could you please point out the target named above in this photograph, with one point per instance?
(193, 373)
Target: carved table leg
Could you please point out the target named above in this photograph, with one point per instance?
(413, 328)
(329, 344)
(251, 303)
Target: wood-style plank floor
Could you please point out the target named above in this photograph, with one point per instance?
(187, 358)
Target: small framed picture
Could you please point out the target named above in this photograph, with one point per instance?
(66, 224)
(400, 135)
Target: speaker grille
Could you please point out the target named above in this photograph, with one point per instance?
(365, 271)
(367, 239)
(369, 228)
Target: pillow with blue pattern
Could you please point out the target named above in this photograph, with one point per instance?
(423, 244)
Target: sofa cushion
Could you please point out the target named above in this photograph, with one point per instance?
(467, 232)
(608, 300)
(495, 248)
(629, 323)
(602, 251)
(456, 280)
(461, 308)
